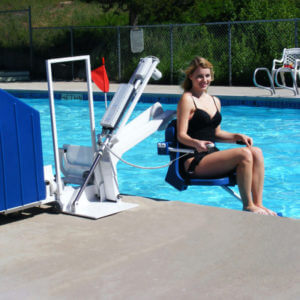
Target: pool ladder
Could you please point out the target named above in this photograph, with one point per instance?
(271, 88)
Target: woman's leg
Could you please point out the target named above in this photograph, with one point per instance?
(258, 178)
(244, 179)
(222, 162)
(258, 175)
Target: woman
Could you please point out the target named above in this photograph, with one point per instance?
(198, 126)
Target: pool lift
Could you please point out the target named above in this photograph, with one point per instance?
(94, 168)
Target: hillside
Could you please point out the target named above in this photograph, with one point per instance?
(47, 13)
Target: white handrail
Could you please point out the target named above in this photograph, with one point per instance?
(49, 62)
(271, 89)
(54, 130)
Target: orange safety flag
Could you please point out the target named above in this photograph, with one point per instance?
(99, 76)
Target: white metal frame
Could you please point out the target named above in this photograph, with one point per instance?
(49, 63)
(101, 197)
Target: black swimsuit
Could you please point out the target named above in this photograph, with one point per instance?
(202, 127)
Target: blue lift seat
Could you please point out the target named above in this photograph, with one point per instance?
(174, 176)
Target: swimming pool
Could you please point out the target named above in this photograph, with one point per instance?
(275, 130)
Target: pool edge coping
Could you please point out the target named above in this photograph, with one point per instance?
(169, 98)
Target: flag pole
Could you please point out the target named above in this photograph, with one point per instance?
(105, 98)
(105, 93)
(99, 76)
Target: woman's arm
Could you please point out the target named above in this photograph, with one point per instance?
(185, 109)
(228, 137)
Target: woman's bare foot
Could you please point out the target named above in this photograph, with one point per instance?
(269, 211)
(256, 210)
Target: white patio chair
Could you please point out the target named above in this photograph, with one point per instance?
(290, 60)
(289, 63)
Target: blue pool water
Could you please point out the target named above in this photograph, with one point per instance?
(275, 130)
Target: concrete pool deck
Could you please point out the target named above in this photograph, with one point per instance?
(158, 250)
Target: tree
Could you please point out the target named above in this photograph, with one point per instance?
(269, 9)
(145, 12)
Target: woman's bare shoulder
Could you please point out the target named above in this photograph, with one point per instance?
(218, 101)
(186, 98)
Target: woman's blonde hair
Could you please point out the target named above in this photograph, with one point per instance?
(195, 63)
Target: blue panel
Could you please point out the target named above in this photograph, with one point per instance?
(21, 162)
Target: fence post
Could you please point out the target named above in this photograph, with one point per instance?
(119, 53)
(30, 39)
(171, 53)
(72, 49)
(229, 55)
(296, 34)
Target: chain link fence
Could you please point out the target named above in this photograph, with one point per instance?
(15, 41)
(234, 48)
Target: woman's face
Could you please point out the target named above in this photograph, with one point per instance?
(201, 78)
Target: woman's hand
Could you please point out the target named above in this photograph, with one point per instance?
(243, 139)
(201, 146)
